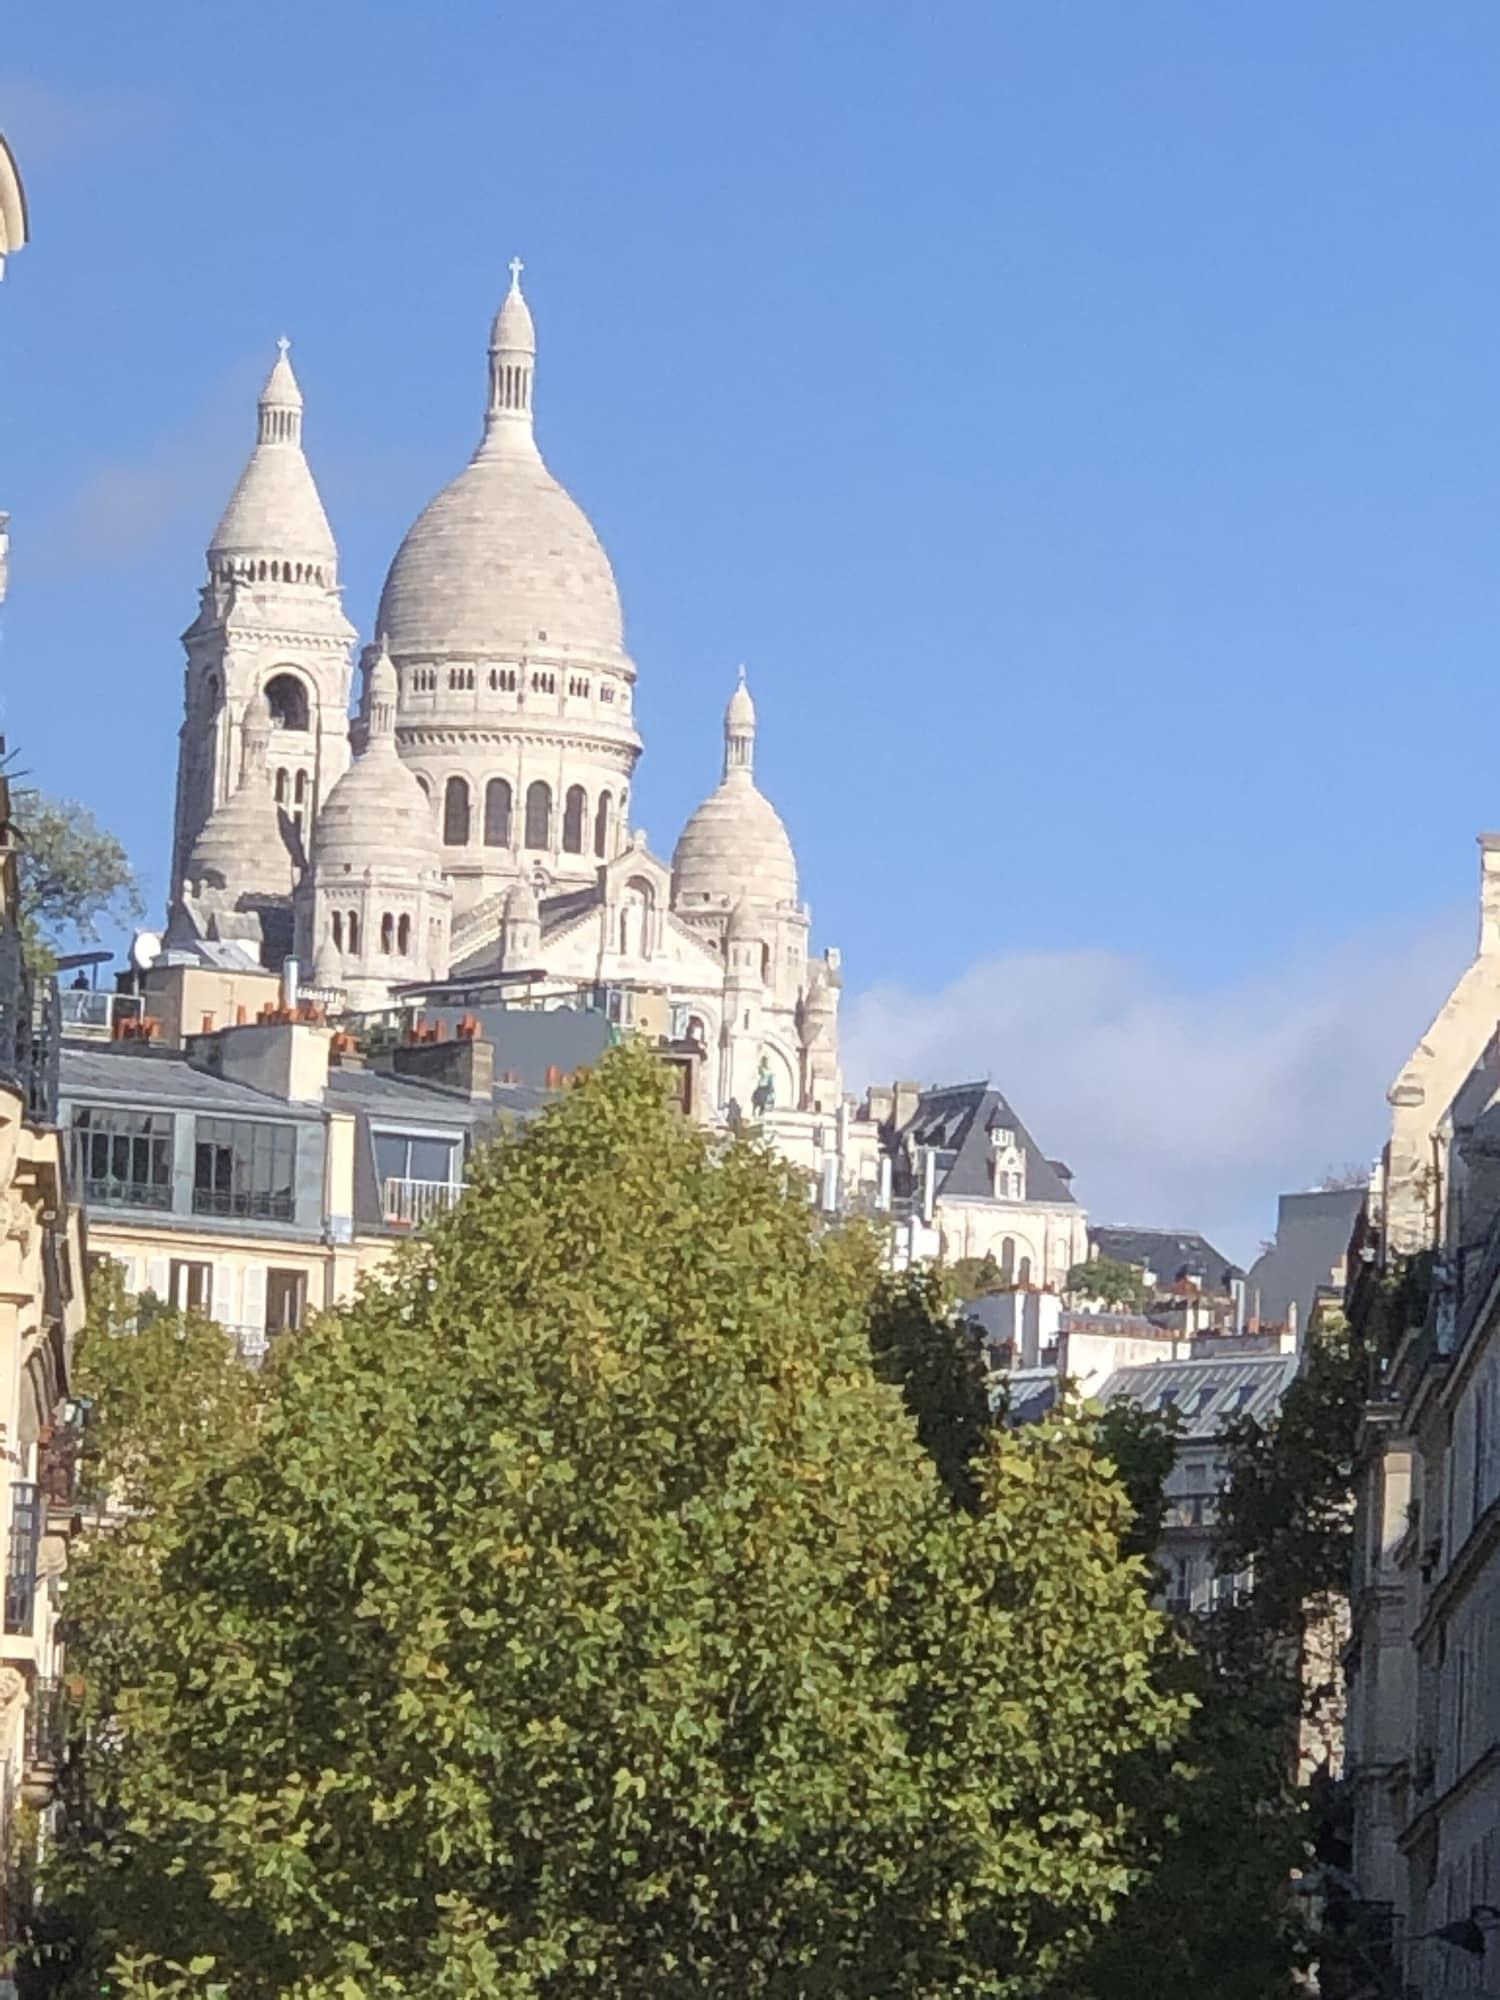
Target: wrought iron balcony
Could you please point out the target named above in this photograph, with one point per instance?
(408, 1204)
(30, 1030)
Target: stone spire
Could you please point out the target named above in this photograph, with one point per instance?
(281, 402)
(508, 422)
(381, 690)
(739, 731)
(275, 513)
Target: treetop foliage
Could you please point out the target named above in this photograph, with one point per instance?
(74, 875)
(1115, 1284)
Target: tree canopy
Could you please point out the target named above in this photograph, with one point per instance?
(74, 875)
(1111, 1282)
(579, 1613)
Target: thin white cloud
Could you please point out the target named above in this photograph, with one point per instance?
(1175, 1104)
(54, 128)
(124, 508)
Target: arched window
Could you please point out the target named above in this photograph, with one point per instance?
(573, 812)
(288, 698)
(276, 572)
(281, 785)
(601, 826)
(403, 935)
(1008, 1259)
(539, 813)
(456, 813)
(299, 790)
(354, 930)
(387, 932)
(497, 813)
(338, 930)
(1023, 1272)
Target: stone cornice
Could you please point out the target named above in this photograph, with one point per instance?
(522, 734)
(261, 637)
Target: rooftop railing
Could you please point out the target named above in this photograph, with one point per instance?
(408, 1204)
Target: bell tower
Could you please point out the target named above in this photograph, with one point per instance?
(270, 623)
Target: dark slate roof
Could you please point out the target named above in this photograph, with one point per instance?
(958, 1120)
(125, 1075)
(1208, 1392)
(1312, 1235)
(379, 1094)
(1170, 1253)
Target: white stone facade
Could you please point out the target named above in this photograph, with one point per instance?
(484, 828)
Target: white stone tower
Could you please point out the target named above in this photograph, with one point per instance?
(270, 621)
(373, 908)
(503, 620)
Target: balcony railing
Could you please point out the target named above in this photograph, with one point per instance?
(45, 1733)
(408, 1204)
(259, 1205)
(21, 1557)
(30, 1030)
(93, 1016)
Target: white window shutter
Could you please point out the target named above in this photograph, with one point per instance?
(159, 1278)
(253, 1312)
(222, 1307)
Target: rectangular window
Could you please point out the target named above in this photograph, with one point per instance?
(192, 1285)
(244, 1167)
(401, 1157)
(419, 1176)
(286, 1300)
(20, 1566)
(123, 1159)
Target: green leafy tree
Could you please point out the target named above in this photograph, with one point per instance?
(1141, 1445)
(919, 1343)
(74, 876)
(1118, 1285)
(580, 1615)
(978, 1277)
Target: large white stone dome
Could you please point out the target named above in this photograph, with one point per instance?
(734, 845)
(503, 562)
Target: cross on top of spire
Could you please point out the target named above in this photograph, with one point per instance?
(282, 346)
(516, 268)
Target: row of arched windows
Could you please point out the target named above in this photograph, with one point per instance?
(507, 680)
(273, 572)
(537, 820)
(395, 932)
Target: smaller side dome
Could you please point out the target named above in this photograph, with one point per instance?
(735, 844)
(242, 848)
(275, 510)
(377, 813)
(328, 964)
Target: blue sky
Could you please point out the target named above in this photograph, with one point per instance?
(1084, 419)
